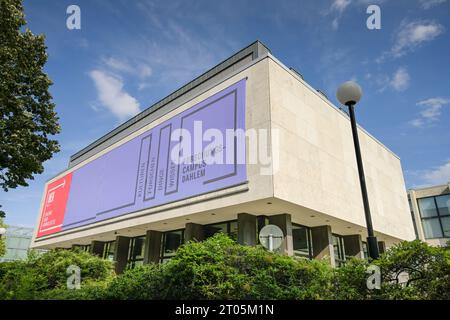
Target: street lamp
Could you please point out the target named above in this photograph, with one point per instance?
(349, 93)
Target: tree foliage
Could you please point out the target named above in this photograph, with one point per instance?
(219, 268)
(27, 116)
(44, 276)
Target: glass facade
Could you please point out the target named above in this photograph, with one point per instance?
(365, 250)
(136, 251)
(18, 241)
(301, 237)
(228, 227)
(435, 214)
(339, 250)
(171, 241)
(108, 250)
(83, 247)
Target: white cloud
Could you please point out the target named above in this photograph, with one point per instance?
(121, 66)
(338, 7)
(117, 65)
(112, 95)
(427, 4)
(400, 79)
(437, 175)
(432, 109)
(412, 35)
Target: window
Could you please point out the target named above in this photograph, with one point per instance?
(233, 230)
(365, 250)
(108, 250)
(212, 229)
(301, 237)
(171, 241)
(339, 251)
(443, 204)
(136, 251)
(229, 227)
(435, 214)
(427, 207)
(85, 248)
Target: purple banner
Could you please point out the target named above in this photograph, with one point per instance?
(152, 169)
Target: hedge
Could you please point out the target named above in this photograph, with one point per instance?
(219, 268)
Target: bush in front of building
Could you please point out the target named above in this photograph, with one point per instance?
(219, 268)
(145, 282)
(44, 276)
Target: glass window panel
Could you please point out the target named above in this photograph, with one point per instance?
(427, 207)
(109, 251)
(13, 242)
(432, 228)
(138, 248)
(365, 250)
(446, 226)
(172, 240)
(339, 253)
(443, 203)
(234, 230)
(300, 240)
(212, 229)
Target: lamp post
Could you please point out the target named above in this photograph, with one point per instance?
(349, 93)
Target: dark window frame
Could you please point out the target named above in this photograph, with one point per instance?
(309, 240)
(340, 260)
(227, 222)
(163, 257)
(439, 216)
(107, 249)
(131, 260)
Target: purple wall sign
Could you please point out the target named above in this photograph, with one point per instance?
(141, 173)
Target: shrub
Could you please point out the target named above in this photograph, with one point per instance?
(350, 281)
(219, 268)
(142, 282)
(32, 278)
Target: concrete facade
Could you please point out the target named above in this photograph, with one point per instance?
(313, 181)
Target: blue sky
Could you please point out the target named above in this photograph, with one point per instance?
(130, 54)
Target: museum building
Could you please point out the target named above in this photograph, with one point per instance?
(140, 191)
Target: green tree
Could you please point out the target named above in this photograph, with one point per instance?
(415, 270)
(27, 116)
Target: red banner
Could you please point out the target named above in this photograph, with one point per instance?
(54, 206)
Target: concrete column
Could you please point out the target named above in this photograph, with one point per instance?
(152, 247)
(283, 221)
(193, 231)
(322, 242)
(353, 246)
(381, 247)
(121, 253)
(97, 248)
(247, 225)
